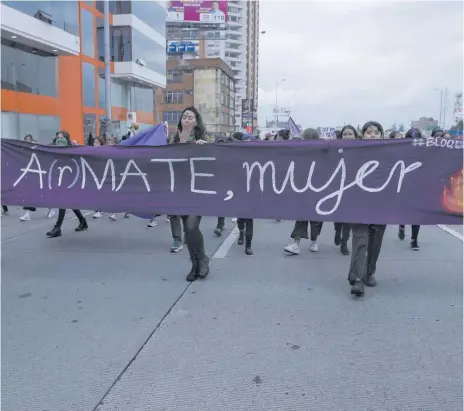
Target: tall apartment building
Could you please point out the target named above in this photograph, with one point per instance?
(236, 42)
(53, 65)
(206, 84)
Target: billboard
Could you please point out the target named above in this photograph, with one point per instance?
(183, 47)
(198, 11)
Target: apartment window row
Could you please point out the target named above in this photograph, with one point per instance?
(176, 76)
(172, 117)
(173, 97)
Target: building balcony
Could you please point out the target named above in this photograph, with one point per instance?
(38, 34)
(133, 72)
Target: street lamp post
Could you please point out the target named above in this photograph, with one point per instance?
(441, 105)
(277, 103)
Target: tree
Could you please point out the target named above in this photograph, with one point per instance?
(393, 127)
(401, 128)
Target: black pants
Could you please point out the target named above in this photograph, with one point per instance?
(301, 230)
(414, 231)
(345, 229)
(247, 225)
(62, 213)
(5, 209)
(29, 208)
(221, 222)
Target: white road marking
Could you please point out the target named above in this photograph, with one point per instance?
(451, 231)
(224, 248)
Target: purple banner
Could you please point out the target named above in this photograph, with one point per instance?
(408, 181)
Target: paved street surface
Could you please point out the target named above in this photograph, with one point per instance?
(107, 316)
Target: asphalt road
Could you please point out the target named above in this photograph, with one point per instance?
(104, 320)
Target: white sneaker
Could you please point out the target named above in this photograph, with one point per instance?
(167, 219)
(26, 216)
(292, 248)
(112, 217)
(234, 220)
(51, 213)
(98, 214)
(313, 247)
(152, 223)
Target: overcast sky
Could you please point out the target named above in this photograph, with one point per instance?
(350, 62)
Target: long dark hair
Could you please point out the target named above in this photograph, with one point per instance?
(413, 133)
(65, 135)
(373, 124)
(349, 127)
(198, 131)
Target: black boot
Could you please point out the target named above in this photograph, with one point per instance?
(338, 237)
(82, 225)
(344, 248)
(248, 249)
(241, 237)
(203, 267)
(193, 274)
(401, 233)
(358, 288)
(54, 232)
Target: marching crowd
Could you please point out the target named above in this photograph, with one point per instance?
(366, 238)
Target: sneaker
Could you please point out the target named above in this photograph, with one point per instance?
(98, 214)
(293, 249)
(234, 220)
(51, 213)
(401, 233)
(26, 216)
(152, 223)
(218, 231)
(167, 219)
(313, 247)
(127, 215)
(338, 237)
(176, 246)
(358, 288)
(112, 217)
(415, 245)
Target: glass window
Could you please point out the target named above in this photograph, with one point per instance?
(47, 126)
(62, 14)
(152, 53)
(28, 72)
(88, 84)
(9, 125)
(90, 125)
(173, 97)
(87, 33)
(174, 76)
(151, 13)
(101, 39)
(118, 94)
(120, 44)
(172, 117)
(142, 99)
(101, 88)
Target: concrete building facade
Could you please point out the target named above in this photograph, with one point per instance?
(206, 84)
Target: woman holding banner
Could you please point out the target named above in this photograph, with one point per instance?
(342, 230)
(191, 130)
(300, 229)
(412, 133)
(367, 238)
(63, 139)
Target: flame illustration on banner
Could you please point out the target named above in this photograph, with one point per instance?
(451, 198)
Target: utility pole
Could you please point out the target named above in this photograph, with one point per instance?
(445, 108)
(106, 36)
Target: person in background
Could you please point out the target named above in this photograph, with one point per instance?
(367, 238)
(412, 133)
(282, 135)
(27, 215)
(395, 134)
(438, 132)
(447, 135)
(90, 140)
(338, 134)
(97, 142)
(245, 225)
(342, 230)
(190, 129)
(300, 229)
(63, 139)
(221, 221)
